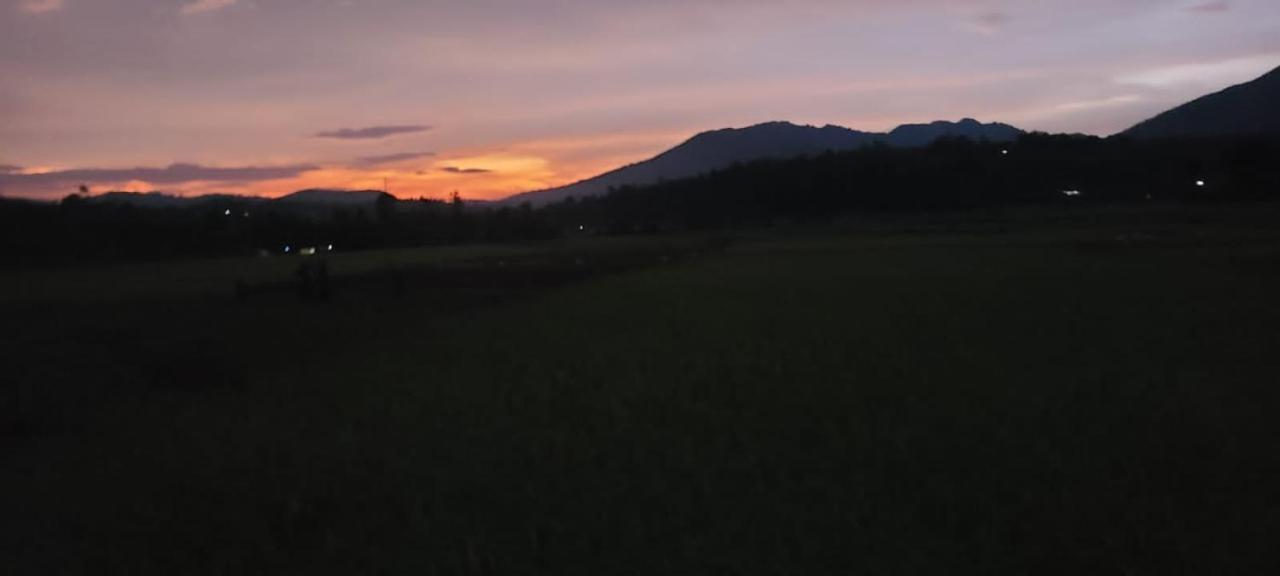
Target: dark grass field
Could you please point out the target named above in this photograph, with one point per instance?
(1089, 394)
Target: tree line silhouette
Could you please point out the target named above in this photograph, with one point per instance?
(949, 175)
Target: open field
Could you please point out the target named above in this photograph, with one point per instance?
(1082, 396)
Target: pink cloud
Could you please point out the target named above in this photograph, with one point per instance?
(199, 6)
(989, 22)
(39, 6)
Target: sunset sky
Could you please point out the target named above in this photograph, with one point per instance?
(494, 97)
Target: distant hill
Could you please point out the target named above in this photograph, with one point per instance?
(162, 200)
(1250, 108)
(717, 149)
(333, 197)
(913, 135)
(302, 199)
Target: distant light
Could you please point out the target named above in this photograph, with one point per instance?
(1200, 183)
(1004, 152)
(246, 214)
(580, 227)
(227, 212)
(1071, 193)
(329, 247)
(308, 251)
(287, 249)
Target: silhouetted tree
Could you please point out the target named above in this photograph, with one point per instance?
(385, 207)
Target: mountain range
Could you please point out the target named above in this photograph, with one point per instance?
(717, 149)
(1245, 109)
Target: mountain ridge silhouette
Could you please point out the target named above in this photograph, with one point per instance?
(309, 198)
(716, 149)
(1243, 109)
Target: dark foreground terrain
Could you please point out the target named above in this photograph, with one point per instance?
(1078, 392)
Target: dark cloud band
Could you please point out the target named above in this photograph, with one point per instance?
(372, 132)
(172, 174)
(389, 158)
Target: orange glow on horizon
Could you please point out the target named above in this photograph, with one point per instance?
(488, 173)
(480, 174)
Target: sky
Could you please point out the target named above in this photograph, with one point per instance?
(495, 97)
